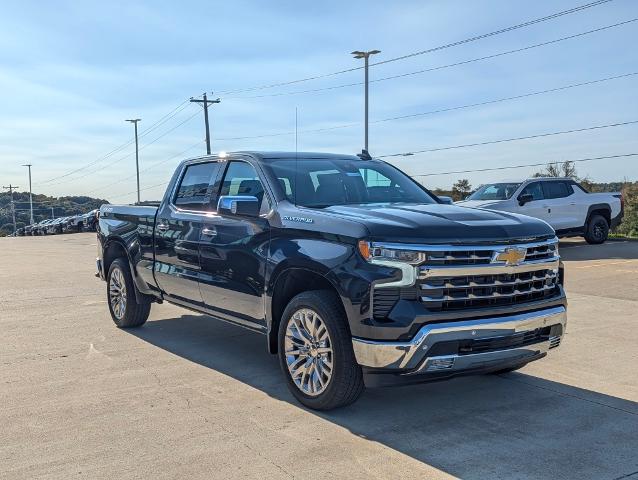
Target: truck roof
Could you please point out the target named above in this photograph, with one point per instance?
(267, 156)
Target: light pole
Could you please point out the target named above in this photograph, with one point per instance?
(30, 195)
(366, 57)
(137, 156)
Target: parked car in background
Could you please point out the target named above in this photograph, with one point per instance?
(563, 203)
(90, 220)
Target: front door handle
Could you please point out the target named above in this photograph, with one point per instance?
(209, 232)
(162, 227)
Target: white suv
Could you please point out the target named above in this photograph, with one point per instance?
(564, 204)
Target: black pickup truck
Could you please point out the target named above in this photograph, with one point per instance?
(355, 273)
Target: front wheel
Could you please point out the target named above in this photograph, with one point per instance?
(597, 230)
(315, 352)
(120, 293)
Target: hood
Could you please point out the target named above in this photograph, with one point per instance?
(479, 203)
(437, 223)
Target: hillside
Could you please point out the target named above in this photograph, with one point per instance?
(43, 207)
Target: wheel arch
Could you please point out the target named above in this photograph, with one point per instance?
(291, 282)
(116, 248)
(602, 209)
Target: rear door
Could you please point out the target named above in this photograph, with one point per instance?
(233, 252)
(563, 210)
(178, 229)
(536, 207)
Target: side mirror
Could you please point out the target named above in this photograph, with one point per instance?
(241, 205)
(445, 199)
(525, 198)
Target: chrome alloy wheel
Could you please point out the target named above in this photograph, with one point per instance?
(308, 352)
(117, 293)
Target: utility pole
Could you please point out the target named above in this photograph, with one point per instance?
(52, 214)
(205, 102)
(30, 194)
(366, 56)
(11, 188)
(137, 156)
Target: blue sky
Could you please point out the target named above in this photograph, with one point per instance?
(71, 72)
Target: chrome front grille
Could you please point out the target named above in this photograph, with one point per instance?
(441, 293)
(480, 276)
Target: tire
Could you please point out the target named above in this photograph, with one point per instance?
(325, 387)
(120, 296)
(597, 230)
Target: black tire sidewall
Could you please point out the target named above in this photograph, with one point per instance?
(591, 237)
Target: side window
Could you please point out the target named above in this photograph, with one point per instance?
(372, 178)
(557, 189)
(196, 186)
(242, 179)
(535, 189)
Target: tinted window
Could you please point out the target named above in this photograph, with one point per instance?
(321, 183)
(557, 189)
(194, 192)
(535, 189)
(242, 179)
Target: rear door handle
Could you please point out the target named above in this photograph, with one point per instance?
(209, 232)
(162, 227)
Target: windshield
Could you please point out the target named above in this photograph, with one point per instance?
(320, 183)
(495, 191)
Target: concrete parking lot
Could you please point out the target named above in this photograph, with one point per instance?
(188, 397)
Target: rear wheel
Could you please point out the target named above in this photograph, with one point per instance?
(125, 311)
(315, 352)
(597, 230)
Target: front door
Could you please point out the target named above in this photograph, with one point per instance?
(177, 232)
(233, 253)
(537, 206)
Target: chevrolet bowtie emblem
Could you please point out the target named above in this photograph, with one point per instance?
(511, 256)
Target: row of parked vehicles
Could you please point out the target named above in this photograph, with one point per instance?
(52, 226)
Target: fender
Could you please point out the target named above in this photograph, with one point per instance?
(598, 206)
(142, 290)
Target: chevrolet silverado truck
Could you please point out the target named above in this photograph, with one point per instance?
(564, 204)
(355, 273)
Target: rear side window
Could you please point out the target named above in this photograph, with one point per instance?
(195, 189)
(557, 189)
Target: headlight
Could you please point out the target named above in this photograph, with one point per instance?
(376, 251)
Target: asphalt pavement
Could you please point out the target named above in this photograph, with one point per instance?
(186, 396)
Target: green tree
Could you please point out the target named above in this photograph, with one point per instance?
(461, 189)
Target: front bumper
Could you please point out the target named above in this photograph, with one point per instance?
(499, 343)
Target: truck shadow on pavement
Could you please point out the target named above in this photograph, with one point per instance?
(508, 426)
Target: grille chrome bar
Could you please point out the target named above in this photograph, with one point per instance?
(473, 296)
(490, 269)
(498, 283)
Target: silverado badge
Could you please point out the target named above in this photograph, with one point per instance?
(511, 256)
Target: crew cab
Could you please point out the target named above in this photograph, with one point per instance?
(355, 274)
(563, 203)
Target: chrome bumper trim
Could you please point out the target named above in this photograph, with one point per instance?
(412, 355)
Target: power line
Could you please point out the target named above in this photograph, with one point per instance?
(491, 142)
(149, 167)
(440, 110)
(525, 165)
(430, 50)
(497, 32)
(441, 67)
(130, 154)
(161, 121)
